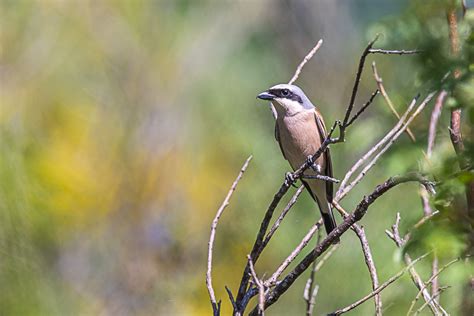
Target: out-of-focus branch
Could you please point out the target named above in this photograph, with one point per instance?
(430, 281)
(455, 126)
(305, 60)
(436, 309)
(377, 290)
(435, 114)
(442, 289)
(217, 305)
(457, 141)
(311, 289)
(387, 99)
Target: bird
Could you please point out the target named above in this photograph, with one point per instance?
(300, 131)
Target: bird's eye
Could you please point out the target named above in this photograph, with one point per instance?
(285, 92)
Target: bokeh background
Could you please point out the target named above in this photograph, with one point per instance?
(123, 124)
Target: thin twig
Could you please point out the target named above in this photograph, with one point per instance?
(389, 102)
(326, 256)
(385, 148)
(216, 305)
(431, 279)
(371, 266)
(423, 220)
(320, 177)
(369, 261)
(282, 215)
(395, 233)
(310, 298)
(436, 309)
(378, 289)
(394, 52)
(231, 297)
(357, 81)
(374, 149)
(362, 109)
(305, 60)
(442, 289)
(395, 236)
(427, 210)
(261, 288)
(273, 279)
(435, 114)
(311, 289)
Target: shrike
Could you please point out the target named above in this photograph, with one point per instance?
(300, 130)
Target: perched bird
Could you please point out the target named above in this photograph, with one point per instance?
(300, 130)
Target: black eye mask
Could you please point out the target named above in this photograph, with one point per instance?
(286, 94)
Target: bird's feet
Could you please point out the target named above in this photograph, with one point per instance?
(289, 179)
(316, 167)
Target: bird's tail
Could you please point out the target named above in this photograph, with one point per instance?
(328, 218)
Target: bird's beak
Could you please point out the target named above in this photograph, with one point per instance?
(266, 96)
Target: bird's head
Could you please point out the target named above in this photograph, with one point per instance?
(287, 99)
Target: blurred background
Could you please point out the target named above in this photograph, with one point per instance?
(123, 124)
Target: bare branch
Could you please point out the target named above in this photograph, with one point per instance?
(261, 288)
(273, 279)
(374, 149)
(377, 290)
(305, 60)
(430, 281)
(389, 102)
(357, 81)
(435, 114)
(385, 148)
(282, 215)
(427, 210)
(395, 236)
(362, 109)
(371, 266)
(422, 221)
(394, 52)
(320, 177)
(395, 233)
(455, 130)
(360, 211)
(231, 297)
(216, 305)
(436, 309)
(310, 298)
(360, 232)
(442, 289)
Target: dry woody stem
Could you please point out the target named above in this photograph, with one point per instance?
(217, 305)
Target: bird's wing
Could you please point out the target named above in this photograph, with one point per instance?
(277, 137)
(327, 155)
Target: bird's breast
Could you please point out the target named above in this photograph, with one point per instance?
(299, 138)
